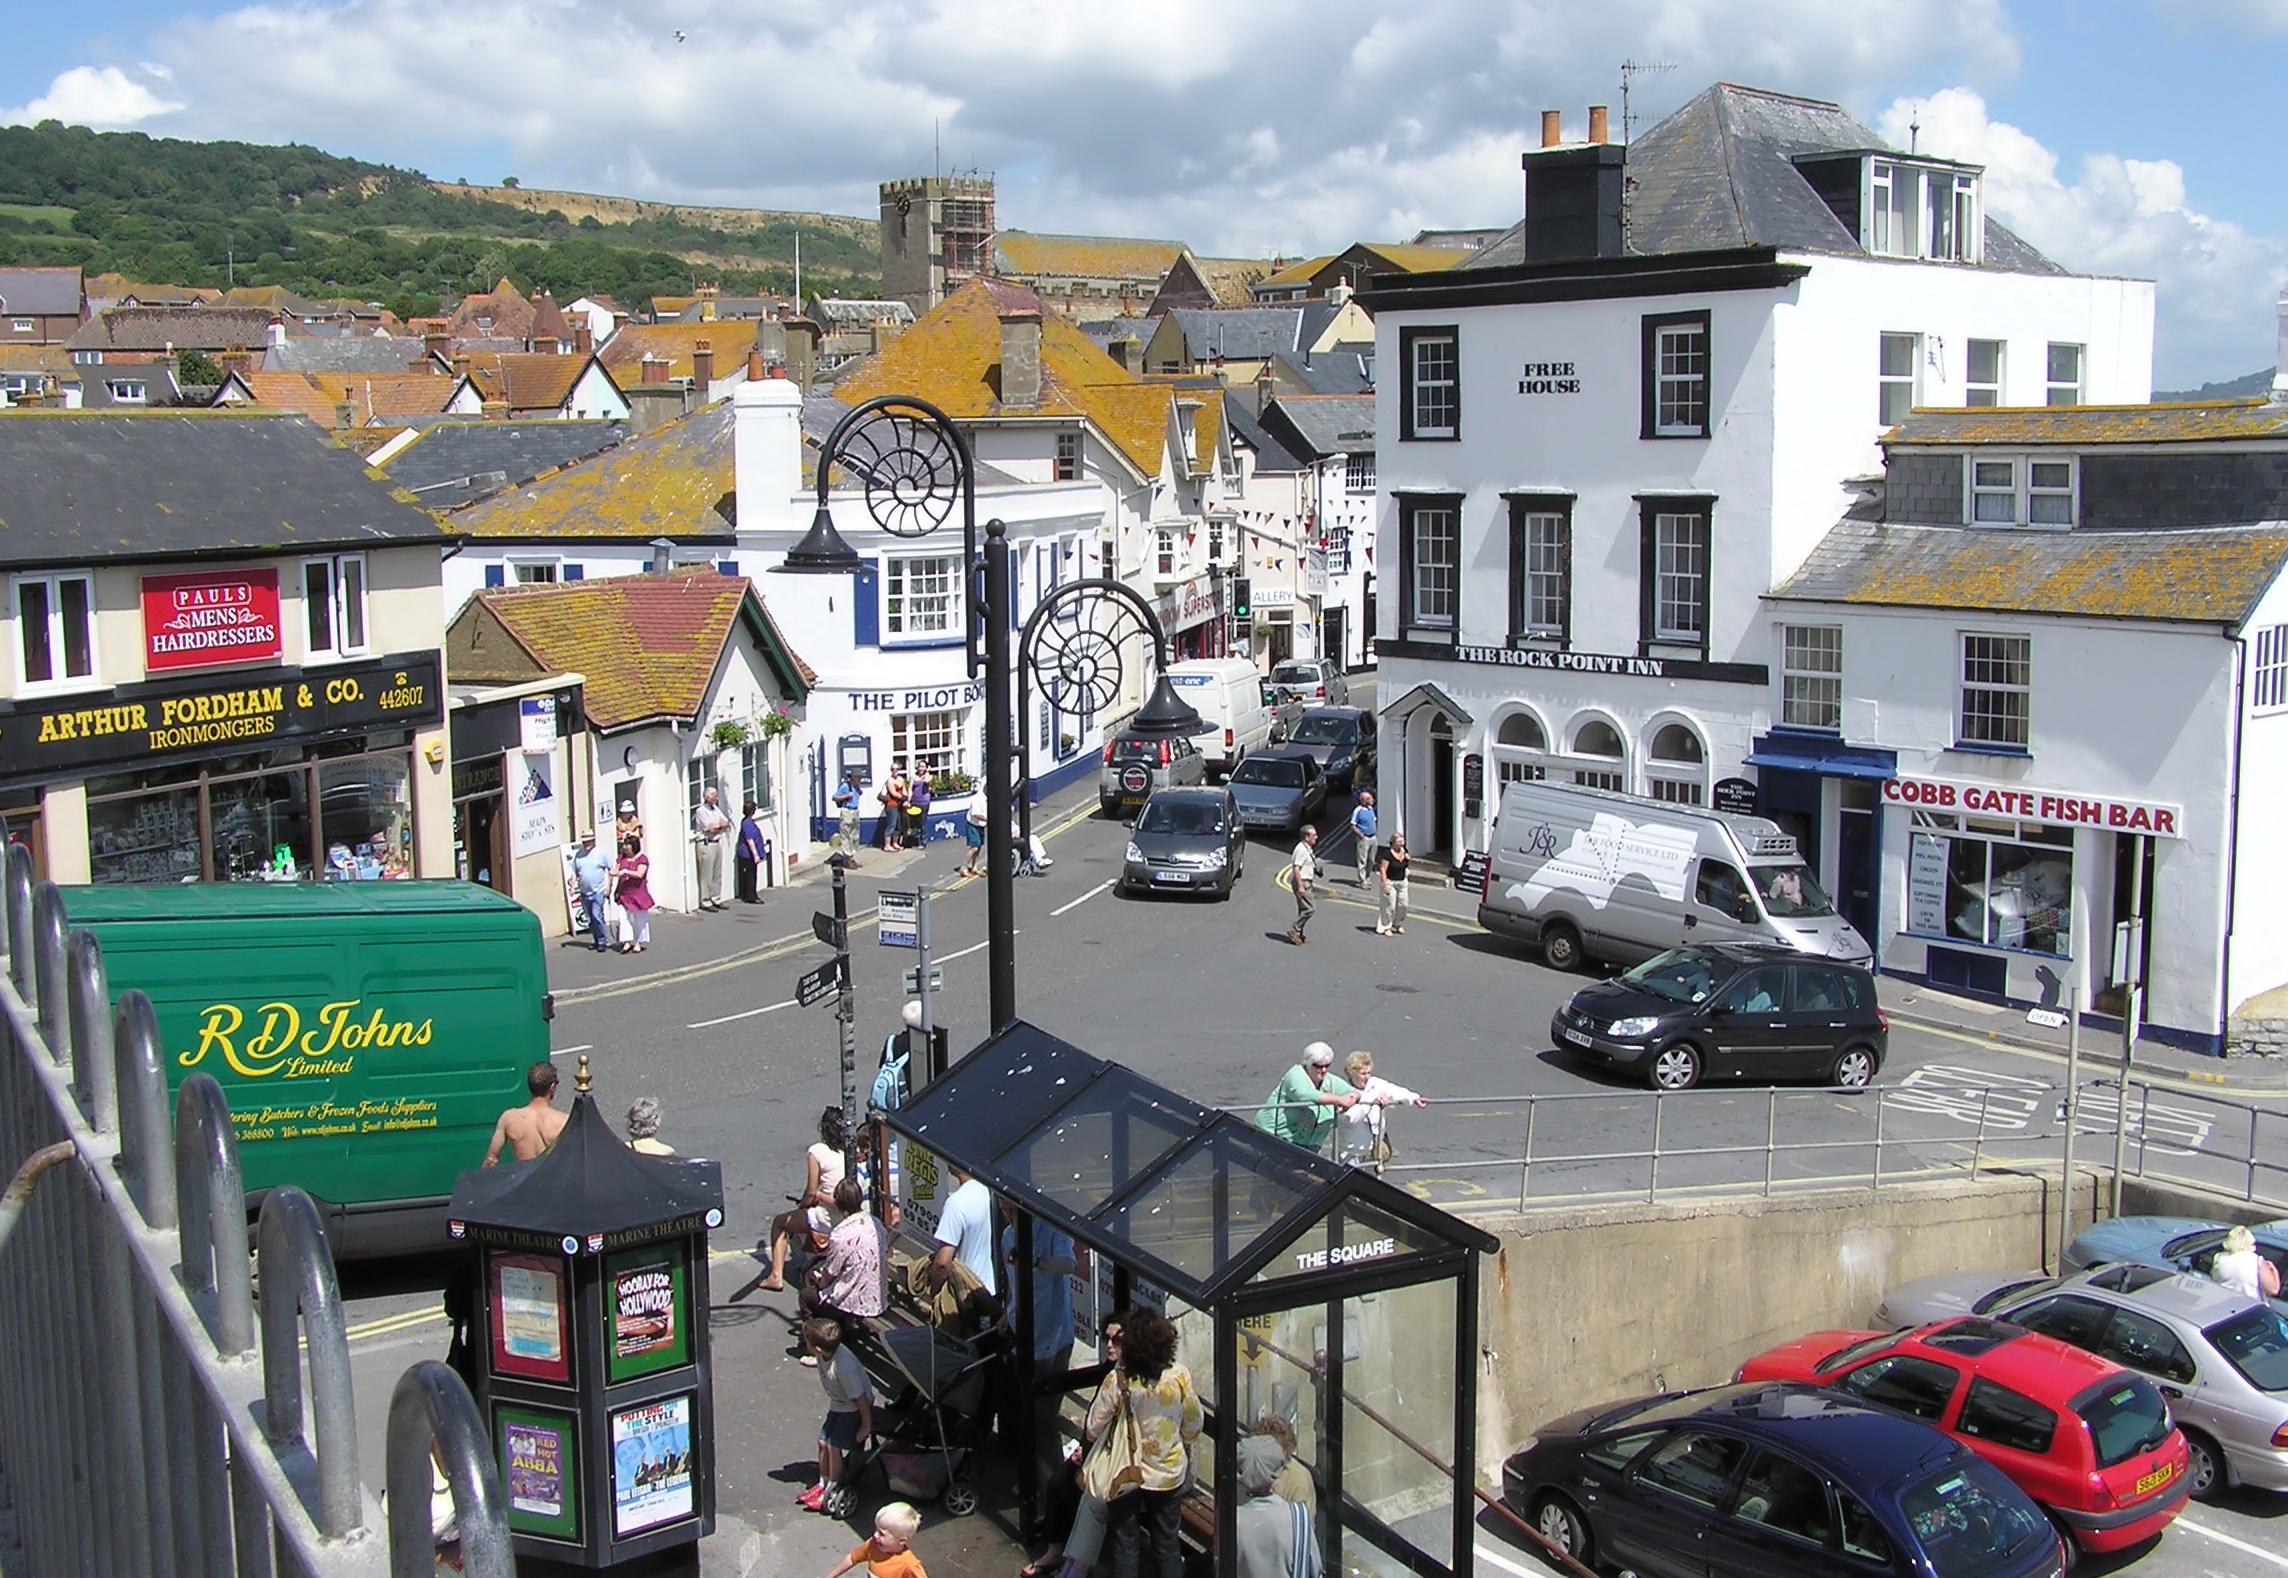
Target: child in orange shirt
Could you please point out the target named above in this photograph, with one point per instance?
(889, 1554)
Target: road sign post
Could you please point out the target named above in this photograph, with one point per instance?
(846, 1003)
(919, 985)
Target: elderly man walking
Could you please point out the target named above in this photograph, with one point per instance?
(1303, 872)
(709, 824)
(1362, 835)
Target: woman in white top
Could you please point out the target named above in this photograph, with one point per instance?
(1361, 1124)
(2239, 1267)
(813, 1211)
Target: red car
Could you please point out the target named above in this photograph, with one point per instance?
(2091, 1443)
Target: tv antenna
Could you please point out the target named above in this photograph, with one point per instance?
(1629, 71)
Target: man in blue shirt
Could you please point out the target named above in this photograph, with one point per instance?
(591, 868)
(1362, 834)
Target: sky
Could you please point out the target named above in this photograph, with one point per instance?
(2120, 136)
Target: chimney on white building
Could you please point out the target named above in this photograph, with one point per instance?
(2280, 356)
(1021, 357)
(766, 454)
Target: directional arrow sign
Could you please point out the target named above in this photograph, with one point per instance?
(819, 984)
(913, 979)
(828, 930)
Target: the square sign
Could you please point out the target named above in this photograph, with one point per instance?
(214, 616)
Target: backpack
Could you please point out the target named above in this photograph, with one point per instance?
(891, 1087)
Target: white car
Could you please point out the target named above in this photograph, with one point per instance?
(1315, 682)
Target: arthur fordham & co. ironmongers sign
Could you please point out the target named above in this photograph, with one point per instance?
(164, 722)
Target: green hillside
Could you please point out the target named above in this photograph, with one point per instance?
(206, 213)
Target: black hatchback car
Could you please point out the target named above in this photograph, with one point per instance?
(1773, 1480)
(1185, 841)
(1741, 1011)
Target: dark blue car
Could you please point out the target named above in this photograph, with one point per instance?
(1773, 1480)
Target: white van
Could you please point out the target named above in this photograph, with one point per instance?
(1591, 873)
(1228, 694)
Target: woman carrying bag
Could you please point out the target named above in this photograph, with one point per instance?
(1143, 1422)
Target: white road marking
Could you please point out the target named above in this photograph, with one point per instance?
(1486, 1554)
(749, 1013)
(585, 1046)
(2222, 1538)
(2009, 1101)
(1084, 898)
(975, 947)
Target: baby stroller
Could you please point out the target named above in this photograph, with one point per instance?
(928, 1432)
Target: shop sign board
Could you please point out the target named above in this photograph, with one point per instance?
(535, 826)
(2058, 807)
(215, 616)
(1193, 603)
(536, 723)
(1736, 796)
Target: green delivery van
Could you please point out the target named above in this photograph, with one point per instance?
(367, 1034)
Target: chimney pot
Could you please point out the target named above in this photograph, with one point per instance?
(583, 339)
(545, 344)
(1021, 357)
(754, 364)
(1597, 124)
(1551, 136)
(702, 366)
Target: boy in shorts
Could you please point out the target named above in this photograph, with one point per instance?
(890, 1553)
(849, 1406)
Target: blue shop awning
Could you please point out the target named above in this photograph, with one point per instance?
(1784, 750)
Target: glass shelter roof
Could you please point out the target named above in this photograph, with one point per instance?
(1199, 1201)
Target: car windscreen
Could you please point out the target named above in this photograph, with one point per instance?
(2125, 1417)
(1651, 1411)
(1270, 772)
(1790, 891)
(1676, 975)
(1184, 818)
(1970, 1521)
(1325, 731)
(1856, 1351)
(2254, 1342)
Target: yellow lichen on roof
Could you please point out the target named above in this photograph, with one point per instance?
(2096, 424)
(2199, 576)
(670, 482)
(526, 380)
(1416, 260)
(1023, 253)
(951, 357)
(648, 645)
(1229, 280)
(675, 342)
(1207, 430)
(1295, 273)
(370, 395)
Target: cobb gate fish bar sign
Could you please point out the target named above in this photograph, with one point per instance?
(161, 722)
(197, 621)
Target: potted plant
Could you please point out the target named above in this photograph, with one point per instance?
(728, 735)
(775, 724)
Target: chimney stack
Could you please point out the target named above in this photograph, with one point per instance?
(1551, 136)
(433, 344)
(702, 366)
(2280, 358)
(345, 413)
(1266, 389)
(583, 339)
(653, 368)
(1597, 126)
(545, 344)
(1573, 198)
(754, 364)
(707, 295)
(461, 365)
(1021, 357)
(495, 411)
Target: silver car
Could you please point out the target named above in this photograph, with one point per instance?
(1134, 768)
(2219, 1357)
(1952, 1293)
(1315, 682)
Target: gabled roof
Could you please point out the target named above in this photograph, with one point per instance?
(117, 287)
(1246, 428)
(181, 328)
(277, 298)
(528, 380)
(1251, 333)
(952, 358)
(41, 292)
(676, 481)
(87, 486)
(348, 353)
(370, 395)
(1027, 255)
(623, 354)
(454, 463)
(2212, 575)
(2079, 425)
(548, 320)
(1325, 425)
(650, 645)
(500, 313)
(1340, 370)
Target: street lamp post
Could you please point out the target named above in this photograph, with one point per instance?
(915, 466)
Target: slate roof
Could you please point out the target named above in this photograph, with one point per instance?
(348, 353)
(1339, 370)
(2206, 576)
(371, 395)
(1027, 255)
(952, 358)
(99, 487)
(676, 481)
(2078, 425)
(1246, 428)
(40, 292)
(623, 354)
(1331, 424)
(455, 463)
(649, 645)
(184, 328)
(1718, 174)
(1251, 333)
(834, 311)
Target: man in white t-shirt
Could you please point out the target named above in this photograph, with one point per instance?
(965, 1233)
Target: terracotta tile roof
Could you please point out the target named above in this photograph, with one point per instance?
(952, 358)
(37, 359)
(182, 328)
(2205, 576)
(370, 395)
(2097, 424)
(505, 314)
(117, 287)
(527, 380)
(548, 319)
(1022, 253)
(649, 645)
(624, 352)
(676, 481)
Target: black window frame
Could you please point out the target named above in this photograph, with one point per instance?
(1408, 339)
(1650, 508)
(1409, 505)
(1649, 372)
(1523, 506)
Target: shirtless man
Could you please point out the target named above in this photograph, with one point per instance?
(532, 1128)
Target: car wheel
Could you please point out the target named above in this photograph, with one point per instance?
(2205, 1472)
(1853, 1068)
(1110, 809)
(1556, 1520)
(1561, 946)
(1676, 1066)
(2069, 1553)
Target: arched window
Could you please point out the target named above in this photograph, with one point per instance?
(1676, 765)
(1521, 749)
(1596, 739)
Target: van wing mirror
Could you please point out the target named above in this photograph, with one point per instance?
(1743, 907)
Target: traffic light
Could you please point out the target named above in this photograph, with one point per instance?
(1242, 601)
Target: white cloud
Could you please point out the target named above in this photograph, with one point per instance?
(2217, 284)
(100, 96)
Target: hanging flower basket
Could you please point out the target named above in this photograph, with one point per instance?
(775, 724)
(728, 735)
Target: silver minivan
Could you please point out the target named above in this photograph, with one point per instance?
(1593, 873)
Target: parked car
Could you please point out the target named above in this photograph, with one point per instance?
(1185, 841)
(2088, 1440)
(1315, 682)
(1279, 791)
(2219, 1357)
(1731, 1011)
(1134, 767)
(2182, 1243)
(1341, 740)
(1772, 1480)
(1286, 712)
(1956, 1293)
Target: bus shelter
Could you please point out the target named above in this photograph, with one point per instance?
(1301, 1287)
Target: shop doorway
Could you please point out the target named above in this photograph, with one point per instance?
(2132, 903)
(1335, 635)
(1441, 840)
(477, 842)
(1858, 864)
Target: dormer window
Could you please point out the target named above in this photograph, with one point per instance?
(2022, 490)
(1922, 211)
